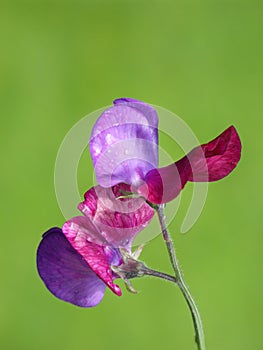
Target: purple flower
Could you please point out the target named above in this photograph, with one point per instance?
(65, 272)
(124, 148)
(76, 262)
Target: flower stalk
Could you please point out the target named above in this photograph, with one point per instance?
(132, 268)
(179, 280)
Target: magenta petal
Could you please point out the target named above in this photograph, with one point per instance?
(208, 162)
(65, 272)
(81, 228)
(220, 156)
(164, 184)
(98, 257)
(124, 143)
(118, 220)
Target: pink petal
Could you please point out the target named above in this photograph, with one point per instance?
(209, 162)
(98, 257)
(81, 228)
(117, 220)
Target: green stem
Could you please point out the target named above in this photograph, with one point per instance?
(159, 274)
(199, 333)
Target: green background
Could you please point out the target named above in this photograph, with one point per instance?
(60, 60)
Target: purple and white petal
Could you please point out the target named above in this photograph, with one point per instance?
(147, 110)
(97, 256)
(124, 143)
(65, 273)
(118, 220)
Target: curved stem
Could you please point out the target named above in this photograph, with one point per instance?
(199, 333)
(158, 274)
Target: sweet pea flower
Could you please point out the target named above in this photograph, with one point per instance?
(80, 260)
(77, 262)
(124, 148)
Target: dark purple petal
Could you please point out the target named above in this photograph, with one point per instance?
(208, 162)
(117, 220)
(65, 273)
(124, 100)
(124, 143)
(98, 257)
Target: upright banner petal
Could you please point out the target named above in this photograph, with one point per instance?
(124, 143)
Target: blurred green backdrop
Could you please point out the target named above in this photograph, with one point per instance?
(59, 61)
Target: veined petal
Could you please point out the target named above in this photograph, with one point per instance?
(209, 162)
(65, 273)
(220, 157)
(98, 257)
(81, 228)
(124, 143)
(118, 220)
